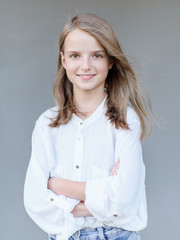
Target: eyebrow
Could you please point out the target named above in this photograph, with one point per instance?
(97, 51)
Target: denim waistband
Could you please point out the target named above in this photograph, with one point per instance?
(106, 228)
(103, 233)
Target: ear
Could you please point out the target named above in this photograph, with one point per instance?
(111, 63)
(63, 59)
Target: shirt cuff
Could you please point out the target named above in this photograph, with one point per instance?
(66, 204)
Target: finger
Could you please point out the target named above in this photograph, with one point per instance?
(118, 164)
(115, 168)
(112, 171)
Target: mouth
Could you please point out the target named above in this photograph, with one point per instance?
(86, 76)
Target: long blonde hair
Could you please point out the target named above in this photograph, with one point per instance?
(121, 83)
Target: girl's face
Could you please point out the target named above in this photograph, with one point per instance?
(85, 61)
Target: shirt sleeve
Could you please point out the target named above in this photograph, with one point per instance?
(46, 209)
(118, 198)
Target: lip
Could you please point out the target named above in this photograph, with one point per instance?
(86, 76)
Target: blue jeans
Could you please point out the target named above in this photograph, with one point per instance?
(102, 233)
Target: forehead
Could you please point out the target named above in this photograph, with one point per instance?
(79, 40)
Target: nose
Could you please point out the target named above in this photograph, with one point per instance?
(86, 64)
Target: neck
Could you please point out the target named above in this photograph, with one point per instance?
(87, 102)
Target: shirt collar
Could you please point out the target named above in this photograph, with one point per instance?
(99, 110)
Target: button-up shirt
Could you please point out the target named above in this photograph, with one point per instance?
(87, 151)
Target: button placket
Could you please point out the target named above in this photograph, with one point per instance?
(78, 158)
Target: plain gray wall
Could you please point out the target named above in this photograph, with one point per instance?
(149, 32)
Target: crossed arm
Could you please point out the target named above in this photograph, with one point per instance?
(75, 190)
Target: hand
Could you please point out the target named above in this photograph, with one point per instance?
(80, 210)
(115, 168)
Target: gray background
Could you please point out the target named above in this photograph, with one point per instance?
(148, 31)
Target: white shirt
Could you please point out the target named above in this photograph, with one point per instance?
(87, 151)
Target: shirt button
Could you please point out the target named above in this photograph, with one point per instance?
(115, 215)
(51, 199)
(81, 123)
(77, 166)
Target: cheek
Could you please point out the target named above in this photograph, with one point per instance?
(103, 67)
(71, 67)
(70, 70)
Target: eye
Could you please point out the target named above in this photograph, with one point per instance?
(98, 56)
(74, 56)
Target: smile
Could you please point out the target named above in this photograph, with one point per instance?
(86, 76)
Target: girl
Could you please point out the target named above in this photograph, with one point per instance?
(86, 175)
